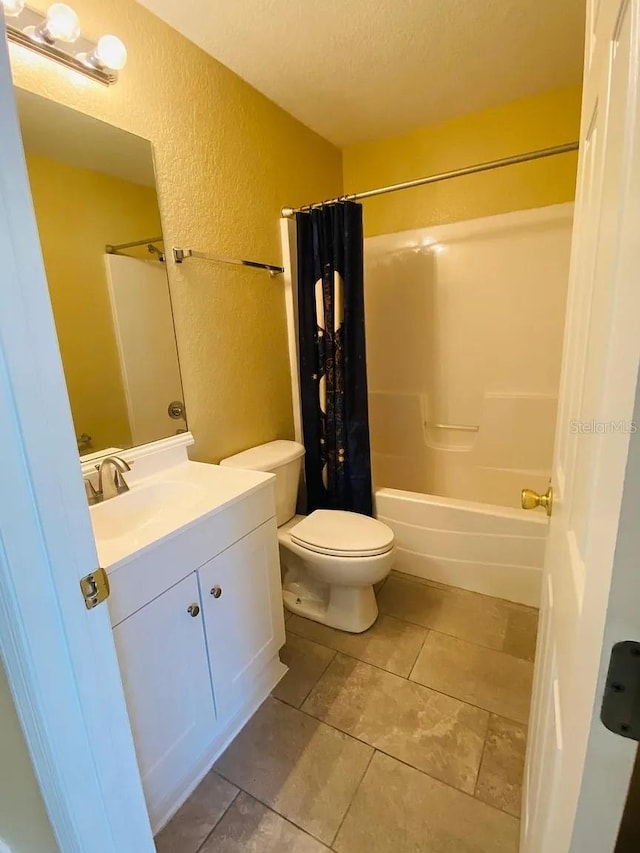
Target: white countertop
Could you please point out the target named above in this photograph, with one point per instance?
(159, 506)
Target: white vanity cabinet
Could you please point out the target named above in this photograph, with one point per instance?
(198, 623)
(242, 603)
(165, 673)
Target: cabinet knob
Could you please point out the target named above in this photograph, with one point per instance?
(193, 610)
(216, 591)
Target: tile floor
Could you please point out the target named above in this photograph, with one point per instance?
(407, 738)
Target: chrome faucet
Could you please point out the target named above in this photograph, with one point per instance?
(98, 495)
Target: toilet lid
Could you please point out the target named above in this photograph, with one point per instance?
(342, 534)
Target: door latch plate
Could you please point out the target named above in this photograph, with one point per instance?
(95, 588)
(620, 710)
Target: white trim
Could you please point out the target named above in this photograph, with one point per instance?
(59, 658)
(290, 261)
(155, 451)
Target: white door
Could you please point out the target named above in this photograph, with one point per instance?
(59, 657)
(577, 772)
(147, 351)
(165, 672)
(242, 633)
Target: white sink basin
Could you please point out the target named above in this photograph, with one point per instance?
(158, 506)
(131, 512)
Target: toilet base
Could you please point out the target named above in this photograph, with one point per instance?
(348, 608)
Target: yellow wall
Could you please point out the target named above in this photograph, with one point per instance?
(227, 159)
(78, 212)
(524, 125)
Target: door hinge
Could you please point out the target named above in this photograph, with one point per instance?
(95, 588)
(620, 710)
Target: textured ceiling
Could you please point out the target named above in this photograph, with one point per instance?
(356, 70)
(53, 130)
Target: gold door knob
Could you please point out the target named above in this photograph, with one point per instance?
(531, 499)
(193, 610)
(215, 591)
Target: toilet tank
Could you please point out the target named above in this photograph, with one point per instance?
(282, 458)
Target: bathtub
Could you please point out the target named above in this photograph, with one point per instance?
(494, 550)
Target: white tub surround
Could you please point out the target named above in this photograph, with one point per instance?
(458, 407)
(494, 550)
(191, 551)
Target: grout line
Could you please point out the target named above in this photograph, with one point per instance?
(318, 679)
(271, 806)
(336, 651)
(413, 665)
(413, 625)
(406, 764)
(388, 754)
(456, 637)
(405, 678)
(374, 749)
(355, 793)
(484, 749)
(470, 704)
(235, 797)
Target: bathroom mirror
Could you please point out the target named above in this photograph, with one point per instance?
(94, 196)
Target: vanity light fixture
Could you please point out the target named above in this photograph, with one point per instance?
(61, 24)
(57, 35)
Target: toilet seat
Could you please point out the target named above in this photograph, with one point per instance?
(337, 533)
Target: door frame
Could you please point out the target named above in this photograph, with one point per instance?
(59, 657)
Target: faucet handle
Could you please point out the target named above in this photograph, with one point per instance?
(93, 495)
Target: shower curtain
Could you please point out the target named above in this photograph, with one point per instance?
(333, 372)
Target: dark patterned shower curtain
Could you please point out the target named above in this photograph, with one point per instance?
(333, 370)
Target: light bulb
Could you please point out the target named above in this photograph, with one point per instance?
(110, 52)
(12, 8)
(62, 24)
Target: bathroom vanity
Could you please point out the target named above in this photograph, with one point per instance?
(191, 551)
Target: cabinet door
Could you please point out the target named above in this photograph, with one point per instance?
(165, 673)
(243, 617)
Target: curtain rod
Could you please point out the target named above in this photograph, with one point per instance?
(180, 255)
(113, 250)
(442, 176)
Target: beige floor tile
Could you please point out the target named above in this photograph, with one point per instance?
(300, 767)
(306, 661)
(193, 822)
(433, 732)
(399, 810)
(521, 634)
(492, 680)
(250, 827)
(477, 618)
(389, 643)
(502, 768)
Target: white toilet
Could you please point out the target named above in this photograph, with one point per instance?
(330, 559)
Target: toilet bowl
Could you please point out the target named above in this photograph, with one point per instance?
(330, 559)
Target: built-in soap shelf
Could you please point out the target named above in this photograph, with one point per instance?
(447, 435)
